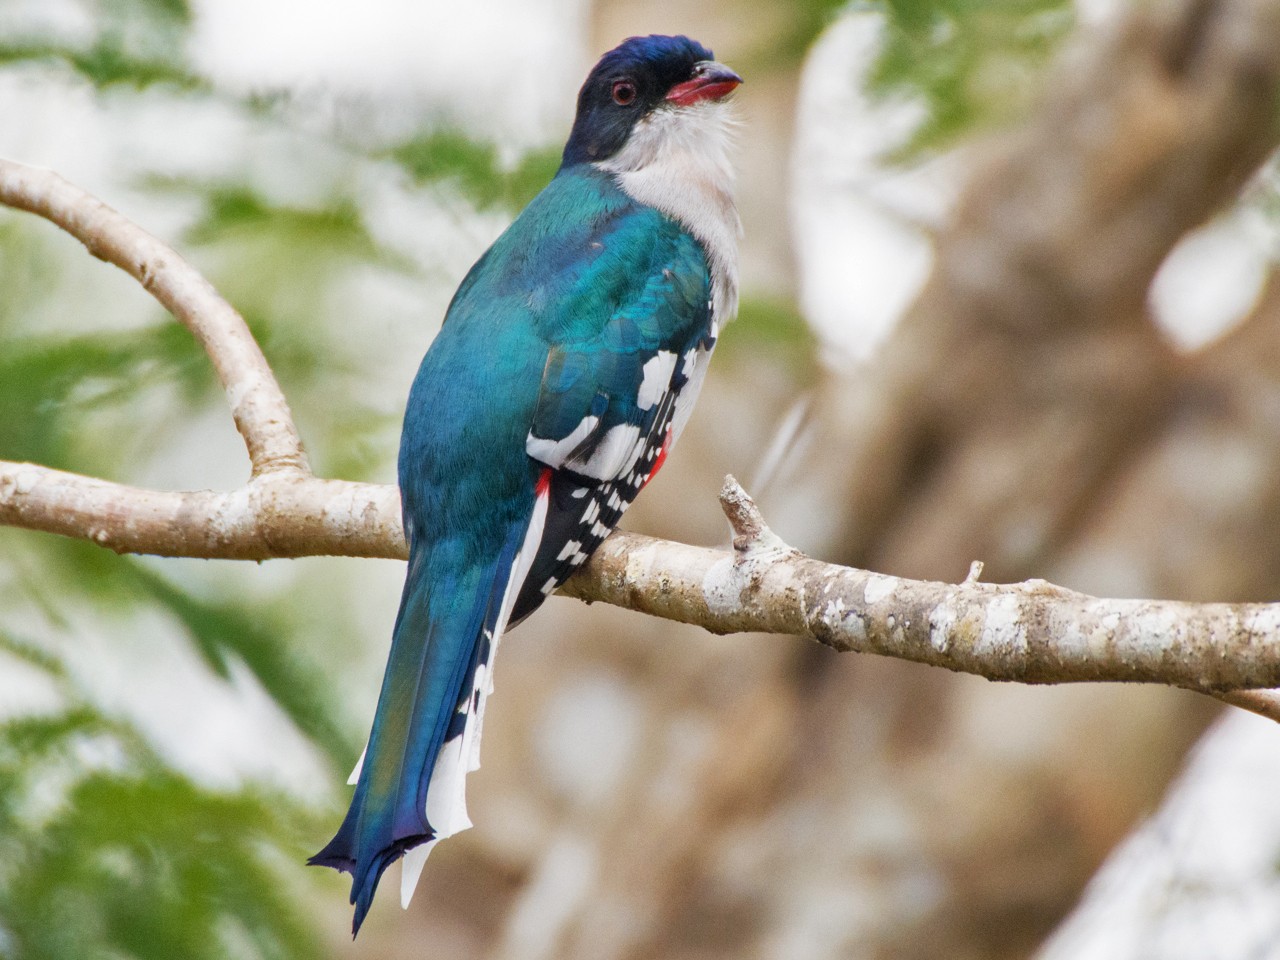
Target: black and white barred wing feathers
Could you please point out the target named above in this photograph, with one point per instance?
(608, 411)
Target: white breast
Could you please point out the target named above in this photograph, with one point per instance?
(677, 160)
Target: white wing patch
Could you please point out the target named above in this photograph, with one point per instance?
(657, 379)
(570, 548)
(446, 807)
(554, 452)
(614, 455)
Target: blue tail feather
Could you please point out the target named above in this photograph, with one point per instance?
(442, 635)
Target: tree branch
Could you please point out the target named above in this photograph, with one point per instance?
(279, 513)
(1033, 632)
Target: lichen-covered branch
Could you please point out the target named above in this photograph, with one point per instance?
(1032, 632)
(258, 406)
(280, 513)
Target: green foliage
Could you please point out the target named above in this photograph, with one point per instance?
(50, 381)
(106, 852)
(972, 62)
(236, 212)
(136, 44)
(281, 264)
(258, 634)
(473, 167)
(105, 64)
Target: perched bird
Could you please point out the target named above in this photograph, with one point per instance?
(567, 365)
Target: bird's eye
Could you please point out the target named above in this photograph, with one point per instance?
(624, 93)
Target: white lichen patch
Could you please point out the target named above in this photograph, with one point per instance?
(879, 588)
(1073, 641)
(1003, 631)
(1089, 633)
(845, 623)
(235, 510)
(942, 621)
(855, 629)
(722, 587)
(1264, 624)
(1158, 625)
(847, 628)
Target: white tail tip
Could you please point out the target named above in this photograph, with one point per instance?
(411, 870)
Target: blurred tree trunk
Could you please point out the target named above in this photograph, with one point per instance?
(1029, 414)
(779, 801)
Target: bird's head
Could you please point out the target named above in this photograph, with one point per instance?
(645, 89)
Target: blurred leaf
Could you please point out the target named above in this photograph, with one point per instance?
(268, 645)
(177, 11)
(137, 44)
(104, 64)
(258, 634)
(47, 382)
(234, 209)
(32, 654)
(32, 738)
(132, 860)
(472, 165)
(154, 867)
(972, 62)
(107, 64)
(773, 326)
(281, 265)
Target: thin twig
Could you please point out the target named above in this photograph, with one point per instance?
(258, 406)
(1265, 703)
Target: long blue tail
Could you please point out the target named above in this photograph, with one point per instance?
(443, 634)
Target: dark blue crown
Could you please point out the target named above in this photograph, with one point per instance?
(654, 64)
(655, 50)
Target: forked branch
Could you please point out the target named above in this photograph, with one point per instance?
(1030, 632)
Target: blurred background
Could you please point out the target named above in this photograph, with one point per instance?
(1006, 297)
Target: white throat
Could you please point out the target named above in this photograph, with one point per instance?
(677, 160)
